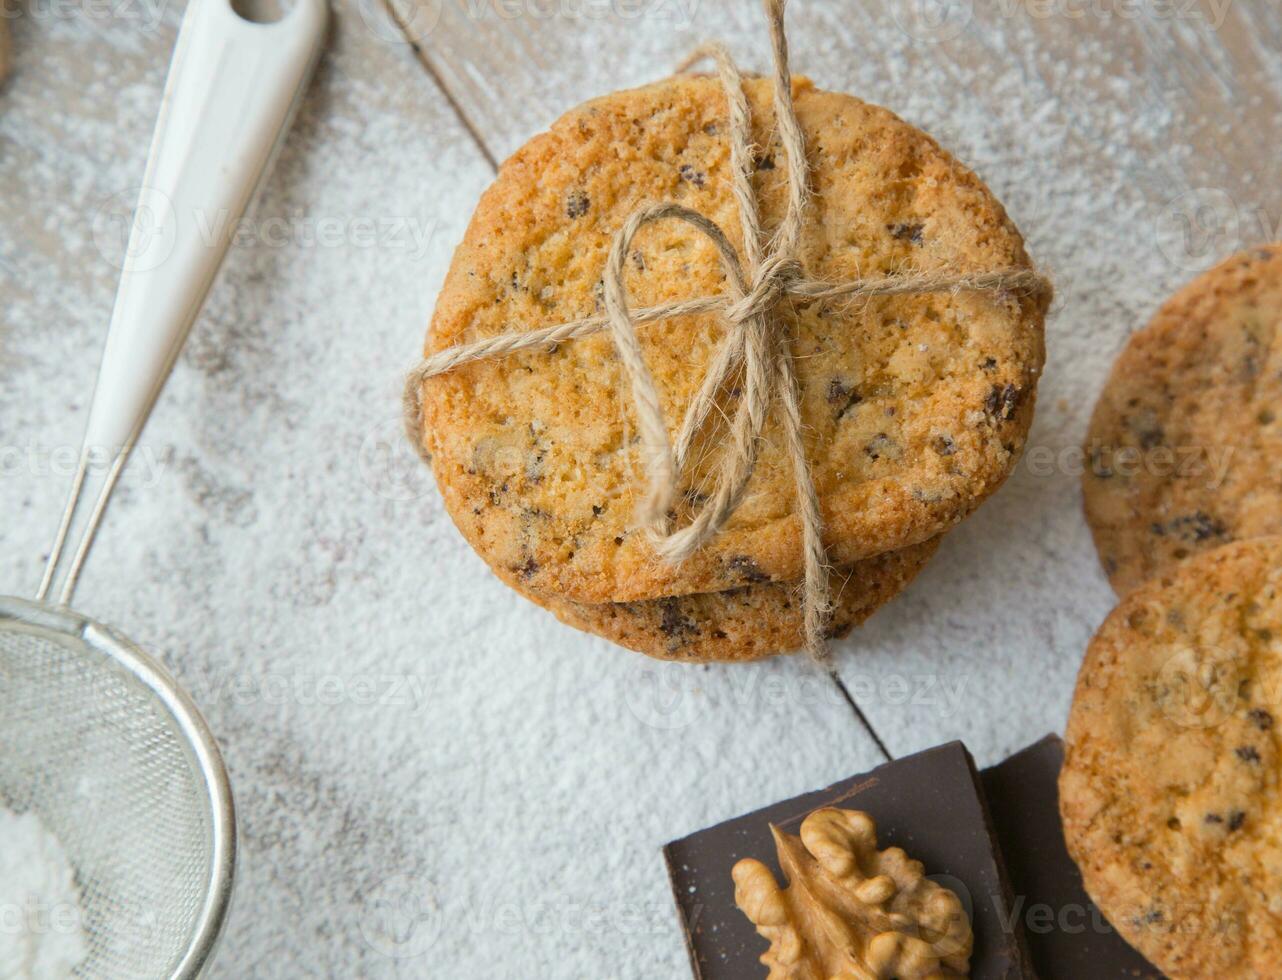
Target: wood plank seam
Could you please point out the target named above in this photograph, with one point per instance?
(420, 54)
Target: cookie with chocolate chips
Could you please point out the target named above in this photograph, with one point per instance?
(1184, 452)
(747, 623)
(1170, 789)
(915, 407)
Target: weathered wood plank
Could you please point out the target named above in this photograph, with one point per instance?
(435, 779)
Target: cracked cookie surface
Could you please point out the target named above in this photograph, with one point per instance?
(1184, 452)
(743, 624)
(915, 408)
(1169, 791)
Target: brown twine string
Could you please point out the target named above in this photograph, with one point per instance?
(758, 345)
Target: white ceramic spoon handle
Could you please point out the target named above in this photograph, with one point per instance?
(232, 89)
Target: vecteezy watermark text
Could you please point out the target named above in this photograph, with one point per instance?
(388, 233)
(35, 917)
(402, 918)
(141, 227)
(1211, 12)
(146, 14)
(307, 689)
(670, 696)
(935, 21)
(1206, 464)
(1204, 225)
(36, 459)
(416, 20)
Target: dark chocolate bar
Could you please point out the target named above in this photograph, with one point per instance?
(1067, 935)
(930, 804)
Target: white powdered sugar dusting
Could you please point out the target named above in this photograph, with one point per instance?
(435, 778)
(41, 937)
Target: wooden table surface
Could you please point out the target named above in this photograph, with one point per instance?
(434, 778)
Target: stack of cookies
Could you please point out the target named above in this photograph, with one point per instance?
(1172, 787)
(915, 407)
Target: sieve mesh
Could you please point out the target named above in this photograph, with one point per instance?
(92, 751)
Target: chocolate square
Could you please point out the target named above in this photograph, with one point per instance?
(930, 804)
(1067, 935)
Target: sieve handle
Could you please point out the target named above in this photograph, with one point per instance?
(232, 90)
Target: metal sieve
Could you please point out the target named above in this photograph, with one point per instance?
(99, 742)
(96, 738)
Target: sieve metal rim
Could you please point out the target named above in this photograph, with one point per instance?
(59, 623)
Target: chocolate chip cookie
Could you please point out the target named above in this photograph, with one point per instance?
(747, 623)
(915, 407)
(1170, 789)
(1184, 452)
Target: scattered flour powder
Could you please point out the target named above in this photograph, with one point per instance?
(40, 917)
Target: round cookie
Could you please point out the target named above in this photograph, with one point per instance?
(915, 408)
(748, 623)
(1185, 445)
(1170, 788)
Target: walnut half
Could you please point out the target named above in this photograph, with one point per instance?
(851, 912)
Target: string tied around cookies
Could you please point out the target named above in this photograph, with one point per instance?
(756, 353)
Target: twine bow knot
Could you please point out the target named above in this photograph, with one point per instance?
(756, 352)
(771, 283)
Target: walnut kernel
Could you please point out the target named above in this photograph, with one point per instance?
(850, 910)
